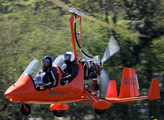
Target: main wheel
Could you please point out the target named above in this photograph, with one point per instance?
(58, 113)
(99, 112)
(25, 111)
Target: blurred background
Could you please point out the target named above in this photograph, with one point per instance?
(32, 29)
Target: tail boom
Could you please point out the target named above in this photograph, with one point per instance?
(125, 100)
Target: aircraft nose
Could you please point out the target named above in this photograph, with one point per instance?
(9, 91)
(13, 91)
(20, 90)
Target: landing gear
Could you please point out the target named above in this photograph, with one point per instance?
(59, 108)
(58, 113)
(99, 112)
(25, 109)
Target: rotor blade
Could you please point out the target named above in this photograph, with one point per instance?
(59, 3)
(104, 82)
(116, 28)
(75, 11)
(111, 49)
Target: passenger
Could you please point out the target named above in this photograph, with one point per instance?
(70, 68)
(47, 76)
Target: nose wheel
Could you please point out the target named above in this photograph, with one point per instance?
(58, 113)
(25, 109)
(99, 112)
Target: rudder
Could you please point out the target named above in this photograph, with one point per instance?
(129, 84)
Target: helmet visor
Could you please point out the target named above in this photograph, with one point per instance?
(66, 57)
(45, 62)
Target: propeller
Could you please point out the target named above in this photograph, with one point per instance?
(114, 27)
(111, 49)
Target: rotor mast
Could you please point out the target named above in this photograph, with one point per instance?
(72, 19)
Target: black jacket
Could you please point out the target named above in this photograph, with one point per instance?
(70, 70)
(47, 76)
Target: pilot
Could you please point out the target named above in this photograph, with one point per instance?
(70, 68)
(47, 76)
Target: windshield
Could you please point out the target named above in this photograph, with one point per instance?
(58, 61)
(32, 68)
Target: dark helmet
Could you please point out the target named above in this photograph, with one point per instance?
(47, 61)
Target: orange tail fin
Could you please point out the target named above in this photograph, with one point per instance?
(154, 92)
(129, 84)
(112, 89)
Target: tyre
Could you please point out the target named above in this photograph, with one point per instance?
(25, 111)
(99, 112)
(58, 113)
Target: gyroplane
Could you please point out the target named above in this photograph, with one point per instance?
(24, 89)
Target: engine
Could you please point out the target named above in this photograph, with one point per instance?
(92, 69)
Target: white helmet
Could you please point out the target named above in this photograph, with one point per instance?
(68, 56)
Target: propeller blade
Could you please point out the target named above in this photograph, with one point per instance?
(116, 28)
(111, 49)
(104, 82)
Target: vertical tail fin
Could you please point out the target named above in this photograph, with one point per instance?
(129, 84)
(154, 92)
(112, 89)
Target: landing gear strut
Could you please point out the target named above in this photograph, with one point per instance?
(25, 109)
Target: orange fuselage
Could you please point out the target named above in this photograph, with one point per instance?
(24, 90)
